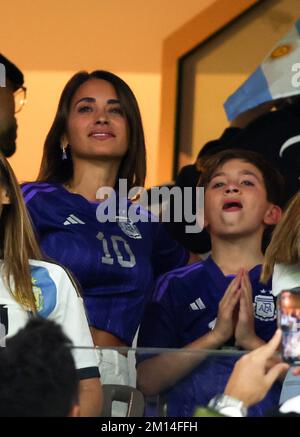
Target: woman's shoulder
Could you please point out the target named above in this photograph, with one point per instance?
(56, 271)
(25, 186)
(52, 288)
(47, 264)
(31, 189)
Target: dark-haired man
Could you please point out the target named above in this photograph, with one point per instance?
(13, 82)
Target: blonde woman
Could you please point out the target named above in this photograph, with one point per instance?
(282, 258)
(30, 286)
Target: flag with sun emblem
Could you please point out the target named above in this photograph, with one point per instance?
(278, 76)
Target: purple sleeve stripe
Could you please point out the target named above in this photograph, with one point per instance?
(163, 282)
(26, 187)
(32, 193)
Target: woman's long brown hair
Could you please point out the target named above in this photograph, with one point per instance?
(285, 243)
(17, 240)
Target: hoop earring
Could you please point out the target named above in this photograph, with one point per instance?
(64, 153)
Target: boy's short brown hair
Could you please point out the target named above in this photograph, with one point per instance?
(273, 180)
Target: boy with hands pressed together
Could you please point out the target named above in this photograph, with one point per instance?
(220, 301)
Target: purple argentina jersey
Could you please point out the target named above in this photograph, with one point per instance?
(184, 307)
(115, 264)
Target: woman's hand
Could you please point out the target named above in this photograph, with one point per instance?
(253, 375)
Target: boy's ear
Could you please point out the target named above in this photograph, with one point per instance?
(201, 216)
(205, 221)
(201, 222)
(273, 215)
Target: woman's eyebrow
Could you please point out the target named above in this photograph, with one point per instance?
(93, 100)
(113, 101)
(86, 99)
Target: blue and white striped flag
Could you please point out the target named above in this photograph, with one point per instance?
(275, 78)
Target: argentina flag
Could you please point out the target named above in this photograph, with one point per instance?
(278, 76)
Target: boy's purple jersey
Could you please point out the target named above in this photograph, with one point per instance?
(184, 307)
(115, 262)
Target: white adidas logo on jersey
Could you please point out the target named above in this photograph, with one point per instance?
(197, 305)
(73, 220)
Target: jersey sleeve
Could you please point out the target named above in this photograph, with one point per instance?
(38, 209)
(70, 313)
(168, 254)
(158, 328)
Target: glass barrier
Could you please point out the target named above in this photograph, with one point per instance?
(168, 382)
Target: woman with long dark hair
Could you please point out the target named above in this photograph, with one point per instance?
(96, 141)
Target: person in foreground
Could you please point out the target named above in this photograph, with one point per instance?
(38, 377)
(252, 377)
(30, 286)
(219, 302)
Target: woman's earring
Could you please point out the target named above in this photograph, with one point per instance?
(64, 153)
